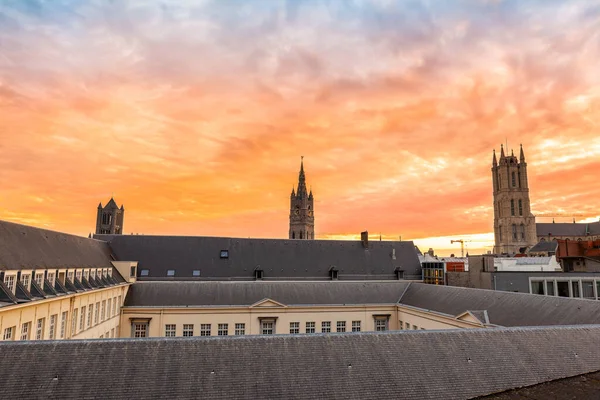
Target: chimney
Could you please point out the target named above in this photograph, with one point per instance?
(364, 238)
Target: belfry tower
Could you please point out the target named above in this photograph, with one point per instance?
(514, 224)
(109, 219)
(302, 217)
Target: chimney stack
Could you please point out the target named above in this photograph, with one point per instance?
(364, 238)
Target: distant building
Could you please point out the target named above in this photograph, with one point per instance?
(514, 224)
(547, 232)
(109, 219)
(302, 217)
(579, 255)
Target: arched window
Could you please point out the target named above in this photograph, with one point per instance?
(519, 178)
(521, 207)
(514, 179)
(293, 235)
(500, 233)
(522, 231)
(512, 207)
(514, 232)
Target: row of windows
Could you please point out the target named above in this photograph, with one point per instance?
(579, 288)
(10, 277)
(406, 325)
(97, 313)
(518, 232)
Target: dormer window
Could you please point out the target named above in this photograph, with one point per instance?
(224, 254)
(333, 273)
(170, 272)
(196, 272)
(78, 275)
(86, 274)
(51, 278)
(39, 279)
(25, 280)
(258, 273)
(9, 281)
(399, 273)
(70, 275)
(144, 272)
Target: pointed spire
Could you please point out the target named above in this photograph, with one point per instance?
(502, 152)
(522, 156)
(100, 205)
(293, 192)
(494, 160)
(301, 180)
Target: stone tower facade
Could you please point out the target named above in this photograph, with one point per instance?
(109, 220)
(302, 217)
(514, 224)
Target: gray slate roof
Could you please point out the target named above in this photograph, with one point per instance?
(247, 293)
(26, 247)
(567, 229)
(504, 308)
(278, 258)
(544, 247)
(451, 364)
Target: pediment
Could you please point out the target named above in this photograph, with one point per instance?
(477, 317)
(267, 303)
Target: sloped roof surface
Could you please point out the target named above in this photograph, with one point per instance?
(451, 364)
(26, 247)
(560, 229)
(504, 308)
(546, 246)
(278, 258)
(247, 293)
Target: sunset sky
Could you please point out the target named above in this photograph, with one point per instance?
(194, 114)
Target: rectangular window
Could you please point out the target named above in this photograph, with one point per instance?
(86, 274)
(63, 324)
(550, 288)
(39, 279)
(144, 272)
(512, 207)
(514, 179)
(514, 231)
(204, 329)
(407, 326)
(562, 288)
(90, 313)
(78, 275)
(25, 330)
(9, 281)
(82, 319)
(341, 326)
(109, 308)
(196, 272)
(188, 330)
(103, 313)
(326, 327)
(267, 327)
(294, 327)
(97, 314)
(132, 272)
(115, 308)
(8, 333)
(355, 326)
(74, 322)
(39, 329)
(401, 324)
(25, 279)
(119, 301)
(140, 330)
(381, 324)
(51, 278)
(588, 289)
(170, 330)
(575, 286)
(112, 333)
(52, 333)
(224, 254)
(71, 275)
(310, 327)
(537, 287)
(170, 272)
(223, 329)
(240, 329)
(415, 327)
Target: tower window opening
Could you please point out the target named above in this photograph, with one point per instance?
(514, 179)
(512, 207)
(301, 235)
(514, 231)
(522, 231)
(521, 207)
(500, 233)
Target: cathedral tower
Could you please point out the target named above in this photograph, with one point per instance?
(302, 218)
(109, 220)
(514, 224)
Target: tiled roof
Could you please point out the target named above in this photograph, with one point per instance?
(504, 308)
(278, 258)
(451, 364)
(561, 229)
(546, 246)
(26, 247)
(247, 293)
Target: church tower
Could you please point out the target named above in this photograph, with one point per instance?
(514, 224)
(109, 219)
(302, 218)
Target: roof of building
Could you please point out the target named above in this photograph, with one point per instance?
(450, 364)
(198, 293)
(503, 308)
(568, 229)
(26, 247)
(586, 386)
(534, 260)
(544, 247)
(277, 258)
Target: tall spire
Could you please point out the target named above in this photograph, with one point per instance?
(301, 180)
(494, 160)
(522, 156)
(502, 152)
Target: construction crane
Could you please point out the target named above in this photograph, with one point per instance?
(462, 246)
